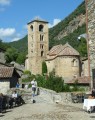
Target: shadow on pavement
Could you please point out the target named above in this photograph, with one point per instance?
(92, 116)
(2, 115)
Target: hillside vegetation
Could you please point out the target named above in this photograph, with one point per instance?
(21, 44)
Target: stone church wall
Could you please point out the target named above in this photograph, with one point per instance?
(67, 69)
(64, 67)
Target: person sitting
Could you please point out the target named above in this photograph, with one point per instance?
(93, 92)
(3, 102)
(14, 97)
(17, 99)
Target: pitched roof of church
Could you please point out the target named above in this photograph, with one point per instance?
(6, 72)
(68, 50)
(55, 50)
(64, 50)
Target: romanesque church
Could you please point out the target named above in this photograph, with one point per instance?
(64, 59)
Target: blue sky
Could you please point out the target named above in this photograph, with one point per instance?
(15, 14)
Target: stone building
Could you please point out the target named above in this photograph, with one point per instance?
(37, 45)
(90, 22)
(8, 78)
(9, 73)
(65, 60)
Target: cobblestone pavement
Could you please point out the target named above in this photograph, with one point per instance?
(44, 111)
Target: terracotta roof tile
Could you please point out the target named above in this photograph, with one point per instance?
(6, 72)
(68, 50)
(63, 50)
(55, 50)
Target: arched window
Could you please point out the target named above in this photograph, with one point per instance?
(41, 46)
(41, 28)
(42, 53)
(41, 37)
(31, 27)
(74, 63)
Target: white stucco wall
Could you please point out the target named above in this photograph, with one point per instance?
(4, 86)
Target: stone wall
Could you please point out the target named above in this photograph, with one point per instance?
(64, 67)
(45, 96)
(91, 34)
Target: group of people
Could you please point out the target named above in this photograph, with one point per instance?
(15, 98)
(7, 101)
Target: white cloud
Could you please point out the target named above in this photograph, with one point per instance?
(15, 39)
(55, 22)
(7, 32)
(5, 2)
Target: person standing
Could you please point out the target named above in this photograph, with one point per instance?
(17, 85)
(34, 87)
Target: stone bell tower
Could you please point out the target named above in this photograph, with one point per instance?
(37, 45)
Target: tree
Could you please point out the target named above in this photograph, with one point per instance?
(21, 58)
(11, 54)
(44, 67)
(4, 45)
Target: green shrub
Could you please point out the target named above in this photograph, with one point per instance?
(66, 88)
(41, 81)
(44, 67)
(50, 82)
(27, 72)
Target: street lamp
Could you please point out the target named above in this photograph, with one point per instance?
(86, 37)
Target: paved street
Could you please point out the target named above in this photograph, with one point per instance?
(44, 111)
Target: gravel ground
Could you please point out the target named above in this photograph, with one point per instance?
(46, 111)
